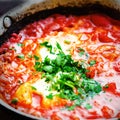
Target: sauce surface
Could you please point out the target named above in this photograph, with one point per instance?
(64, 68)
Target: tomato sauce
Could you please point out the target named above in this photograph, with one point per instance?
(97, 35)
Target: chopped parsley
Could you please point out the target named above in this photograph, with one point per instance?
(66, 75)
(14, 101)
(37, 66)
(21, 56)
(20, 44)
(48, 68)
(81, 52)
(36, 57)
(92, 62)
(33, 88)
(88, 106)
(50, 96)
(47, 45)
(58, 46)
(70, 107)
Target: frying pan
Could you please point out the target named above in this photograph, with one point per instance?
(31, 10)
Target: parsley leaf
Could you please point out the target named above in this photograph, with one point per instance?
(36, 57)
(37, 66)
(88, 106)
(33, 88)
(92, 62)
(81, 52)
(21, 56)
(48, 68)
(58, 46)
(70, 107)
(91, 86)
(20, 44)
(47, 45)
(50, 96)
(14, 101)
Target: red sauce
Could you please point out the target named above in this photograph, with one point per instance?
(99, 35)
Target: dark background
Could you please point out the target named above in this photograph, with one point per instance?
(6, 114)
(6, 5)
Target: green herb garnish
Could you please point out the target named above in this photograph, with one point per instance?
(14, 101)
(33, 88)
(21, 56)
(88, 106)
(92, 62)
(70, 107)
(50, 96)
(48, 68)
(47, 45)
(58, 46)
(36, 57)
(81, 52)
(20, 44)
(37, 66)
(65, 75)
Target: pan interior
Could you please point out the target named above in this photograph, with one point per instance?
(85, 9)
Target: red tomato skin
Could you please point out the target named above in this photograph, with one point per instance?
(100, 20)
(94, 37)
(15, 38)
(117, 66)
(107, 112)
(54, 116)
(61, 20)
(104, 38)
(111, 87)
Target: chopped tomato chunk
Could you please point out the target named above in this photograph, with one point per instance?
(55, 117)
(117, 66)
(100, 20)
(15, 38)
(111, 87)
(104, 38)
(107, 112)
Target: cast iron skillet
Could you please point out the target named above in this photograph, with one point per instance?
(30, 11)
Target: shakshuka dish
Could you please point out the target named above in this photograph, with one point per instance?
(63, 67)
